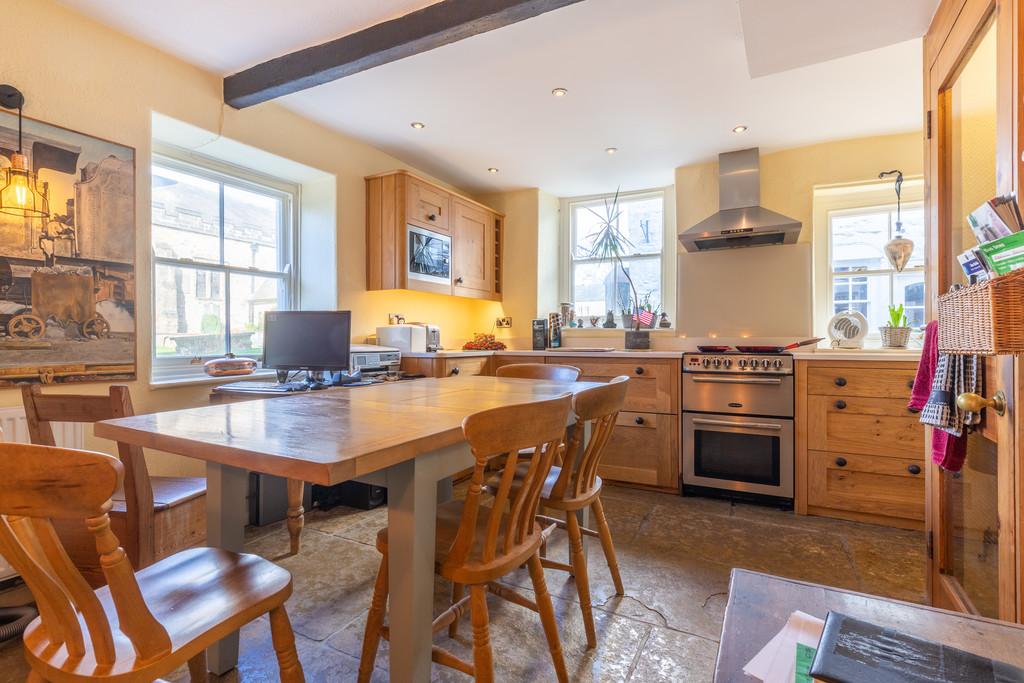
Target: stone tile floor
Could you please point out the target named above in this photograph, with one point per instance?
(675, 555)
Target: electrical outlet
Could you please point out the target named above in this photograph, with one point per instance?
(503, 323)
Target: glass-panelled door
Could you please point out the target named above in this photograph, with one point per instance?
(971, 157)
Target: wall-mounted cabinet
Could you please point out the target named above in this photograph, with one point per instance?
(421, 236)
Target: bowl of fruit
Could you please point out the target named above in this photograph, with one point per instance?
(483, 342)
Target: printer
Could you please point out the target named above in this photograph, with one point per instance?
(374, 360)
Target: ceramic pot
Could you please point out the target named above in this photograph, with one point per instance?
(638, 339)
(895, 337)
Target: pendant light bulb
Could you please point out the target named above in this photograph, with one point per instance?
(21, 193)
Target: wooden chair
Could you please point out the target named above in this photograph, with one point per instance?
(477, 545)
(573, 485)
(155, 516)
(140, 625)
(555, 373)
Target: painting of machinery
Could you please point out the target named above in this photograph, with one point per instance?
(67, 279)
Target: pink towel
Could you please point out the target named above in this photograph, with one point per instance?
(948, 451)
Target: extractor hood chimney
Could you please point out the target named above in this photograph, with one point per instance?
(741, 221)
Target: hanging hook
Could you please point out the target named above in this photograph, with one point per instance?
(899, 184)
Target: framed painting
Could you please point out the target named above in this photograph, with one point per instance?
(67, 280)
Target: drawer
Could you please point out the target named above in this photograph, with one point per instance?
(871, 426)
(866, 484)
(427, 205)
(653, 383)
(643, 449)
(475, 365)
(866, 382)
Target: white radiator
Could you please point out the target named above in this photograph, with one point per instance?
(14, 428)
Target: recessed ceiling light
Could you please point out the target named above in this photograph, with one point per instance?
(559, 92)
(611, 150)
(492, 170)
(418, 125)
(740, 129)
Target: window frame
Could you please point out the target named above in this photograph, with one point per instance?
(175, 369)
(892, 273)
(667, 255)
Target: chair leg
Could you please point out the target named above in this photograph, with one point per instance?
(284, 645)
(606, 544)
(483, 662)
(578, 558)
(458, 590)
(197, 672)
(374, 622)
(33, 677)
(547, 618)
(296, 513)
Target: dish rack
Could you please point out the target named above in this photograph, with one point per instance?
(985, 319)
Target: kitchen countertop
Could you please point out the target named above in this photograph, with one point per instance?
(566, 352)
(820, 353)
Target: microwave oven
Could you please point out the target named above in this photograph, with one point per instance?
(430, 256)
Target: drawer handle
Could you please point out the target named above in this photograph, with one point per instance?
(910, 384)
(455, 371)
(432, 217)
(840, 462)
(639, 420)
(840, 381)
(914, 469)
(458, 280)
(639, 371)
(840, 405)
(913, 410)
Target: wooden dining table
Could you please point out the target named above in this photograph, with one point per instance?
(406, 436)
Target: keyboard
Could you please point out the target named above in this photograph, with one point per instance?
(265, 387)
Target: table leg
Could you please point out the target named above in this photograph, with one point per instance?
(226, 515)
(412, 511)
(296, 513)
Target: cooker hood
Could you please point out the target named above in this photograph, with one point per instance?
(741, 221)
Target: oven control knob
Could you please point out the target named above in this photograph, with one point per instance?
(766, 363)
(718, 362)
(742, 362)
(778, 363)
(705, 362)
(727, 362)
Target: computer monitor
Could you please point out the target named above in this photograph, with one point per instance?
(315, 341)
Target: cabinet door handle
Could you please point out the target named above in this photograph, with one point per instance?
(639, 420)
(840, 462)
(639, 371)
(910, 384)
(840, 405)
(454, 371)
(914, 469)
(458, 280)
(432, 217)
(840, 381)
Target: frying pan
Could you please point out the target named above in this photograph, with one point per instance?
(778, 349)
(713, 349)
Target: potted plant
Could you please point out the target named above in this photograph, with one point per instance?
(610, 244)
(896, 333)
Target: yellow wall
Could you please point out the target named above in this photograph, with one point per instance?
(766, 291)
(81, 75)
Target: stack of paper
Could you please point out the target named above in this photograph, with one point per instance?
(777, 661)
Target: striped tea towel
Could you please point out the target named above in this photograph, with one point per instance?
(954, 375)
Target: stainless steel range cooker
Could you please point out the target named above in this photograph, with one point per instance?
(738, 426)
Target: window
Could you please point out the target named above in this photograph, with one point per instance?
(222, 256)
(596, 287)
(862, 278)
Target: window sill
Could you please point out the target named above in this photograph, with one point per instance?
(609, 331)
(200, 380)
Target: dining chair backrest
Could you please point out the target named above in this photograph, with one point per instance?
(43, 483)
(41, 410)
(548, 371)
(538, 429)
(596, 408)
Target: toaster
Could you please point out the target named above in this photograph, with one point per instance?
(411, 337)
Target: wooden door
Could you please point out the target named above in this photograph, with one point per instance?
(472, 250)
(972, 150)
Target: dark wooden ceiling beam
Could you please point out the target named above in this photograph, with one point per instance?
(425, 29)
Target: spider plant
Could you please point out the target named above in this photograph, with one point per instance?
(608, 243)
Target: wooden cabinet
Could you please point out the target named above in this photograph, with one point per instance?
(448, 366)
(859, 450)
(653, 383)
(398, 201)
(472, 251)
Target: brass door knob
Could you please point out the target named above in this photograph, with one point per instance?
(973, 403)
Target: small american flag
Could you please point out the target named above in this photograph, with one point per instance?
(646, 318)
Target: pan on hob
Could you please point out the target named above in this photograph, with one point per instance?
(778, 349)
(714, 349)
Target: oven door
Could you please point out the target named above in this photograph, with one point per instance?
(430, 256)
(737, 453)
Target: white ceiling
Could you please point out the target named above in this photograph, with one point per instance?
(664, 81)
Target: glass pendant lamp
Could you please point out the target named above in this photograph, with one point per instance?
(21, 193)
(899, 249)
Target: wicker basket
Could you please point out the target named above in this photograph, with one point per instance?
(985, 319)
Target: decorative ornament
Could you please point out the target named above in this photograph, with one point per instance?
(899, 249)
